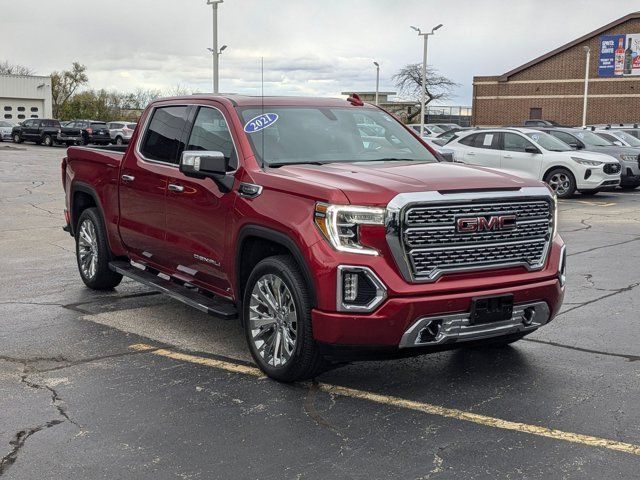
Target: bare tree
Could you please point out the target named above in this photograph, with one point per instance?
(7, 68)
(408, 81)
(64, 84)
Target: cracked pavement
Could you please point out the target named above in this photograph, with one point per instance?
(77, 402)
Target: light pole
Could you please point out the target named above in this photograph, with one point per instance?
(586, 86)
(423, 93)
(215, 51)
(377, 79)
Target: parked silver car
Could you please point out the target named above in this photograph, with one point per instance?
(5, 131)
(121, 132)
(581, 139)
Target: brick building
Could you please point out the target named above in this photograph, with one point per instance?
(551, 87)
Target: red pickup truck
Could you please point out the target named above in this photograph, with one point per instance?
(329, 228)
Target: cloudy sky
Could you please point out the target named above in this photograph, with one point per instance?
(310, 47)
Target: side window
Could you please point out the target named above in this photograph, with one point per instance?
(469, 140)
(515, 143)
(606, 136)
(36, 124)
(565, 137)
(210, 132)
(487, 140)
(163, 138)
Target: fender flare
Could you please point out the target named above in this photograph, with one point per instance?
(280, 238)
(89, 190)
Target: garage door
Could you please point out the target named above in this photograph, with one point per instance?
(18, 109)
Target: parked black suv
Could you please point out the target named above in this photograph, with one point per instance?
(93, 131)
(45, 131)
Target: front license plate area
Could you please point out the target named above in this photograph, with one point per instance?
(491, 309)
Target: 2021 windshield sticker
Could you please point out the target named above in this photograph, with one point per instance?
(260, 122)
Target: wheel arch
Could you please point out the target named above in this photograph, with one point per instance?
(83, 196)
(269, 242)
(557, 166)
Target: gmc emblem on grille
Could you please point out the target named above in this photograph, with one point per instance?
(485, 224)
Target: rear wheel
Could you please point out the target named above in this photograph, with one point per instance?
(119, 141)
(92, 252)
(48, 141)
(562, 182)
(277, 321)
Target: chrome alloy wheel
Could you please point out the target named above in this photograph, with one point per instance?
(88, 249)
(560, 183)
(273, 320)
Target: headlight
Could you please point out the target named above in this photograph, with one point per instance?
(339, 225)
(628, 158)
(584, 161)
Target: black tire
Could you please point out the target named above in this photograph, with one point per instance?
(305, 361)
(119, 140)
(103, 277)
(16, 138)
(567, 191)
(48, 141)
(629, 187)
(589, 192)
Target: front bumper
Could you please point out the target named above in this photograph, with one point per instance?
(595, 178)
(399, 320)
(630, 173)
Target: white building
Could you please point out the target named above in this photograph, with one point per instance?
(23, 97)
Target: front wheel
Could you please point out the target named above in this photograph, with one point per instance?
(92, 252)
(16, 138)
(277, 321)
(562, 182)
(119, 141)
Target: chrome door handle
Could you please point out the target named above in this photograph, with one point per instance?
(507, 156)
(174, 187)
(128, 178)
(471, 154)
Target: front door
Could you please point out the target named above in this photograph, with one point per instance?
(198, 211)
(143, 185)
(518, 161)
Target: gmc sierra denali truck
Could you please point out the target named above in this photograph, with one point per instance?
(329, 242)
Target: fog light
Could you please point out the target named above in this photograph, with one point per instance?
(358, 289)
(350, 286)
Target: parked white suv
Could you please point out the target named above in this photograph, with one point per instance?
(121, 132)
(535, 154)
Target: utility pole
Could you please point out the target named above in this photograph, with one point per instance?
(377, 79)
(215, 52)
(586, 86)
(423, 92)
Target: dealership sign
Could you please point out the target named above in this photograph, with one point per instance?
(619, 55)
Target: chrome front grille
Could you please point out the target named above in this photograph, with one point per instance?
(424, 237)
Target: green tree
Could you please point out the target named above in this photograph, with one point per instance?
(64, 84)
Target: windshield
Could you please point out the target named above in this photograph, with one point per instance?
(548, 142)
(5, 124)
(288, 135)
(630, 139)
(592, 139)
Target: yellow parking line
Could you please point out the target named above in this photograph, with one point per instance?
(409, 404)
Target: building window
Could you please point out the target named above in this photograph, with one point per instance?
(34, 109)
(21, 109)
(7, 109)
(34, 116)
(21, 117)
(8, 116)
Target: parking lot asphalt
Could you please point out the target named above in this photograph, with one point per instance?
(131, 384)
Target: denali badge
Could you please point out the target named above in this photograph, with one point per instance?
(485, 224)
(206, 260)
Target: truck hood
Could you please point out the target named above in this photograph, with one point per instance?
(376, 183)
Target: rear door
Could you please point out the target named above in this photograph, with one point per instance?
(482, 149)
(197, 211)
(143, 185)
(516, 160)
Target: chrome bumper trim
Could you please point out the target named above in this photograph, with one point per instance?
(456, 327)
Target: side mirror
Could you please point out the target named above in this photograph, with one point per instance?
(531, 149)
(207, 164)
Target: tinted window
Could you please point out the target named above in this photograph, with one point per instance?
(132, 126)
(515, 143)
(163, 139)
(606, 136)
(210, 132)
(565, 137)
(482, 140)
(98, 125)
(51, 123)
(469, 140)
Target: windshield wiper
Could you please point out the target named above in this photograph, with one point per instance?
(284, 164)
